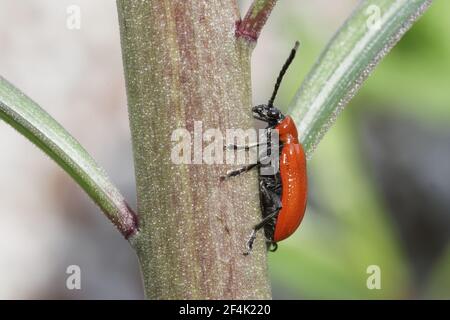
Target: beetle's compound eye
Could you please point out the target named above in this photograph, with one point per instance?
(257, 109)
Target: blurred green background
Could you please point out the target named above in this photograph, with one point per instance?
(380, 178)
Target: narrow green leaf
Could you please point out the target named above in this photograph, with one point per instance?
(40, 128)
(356, 49)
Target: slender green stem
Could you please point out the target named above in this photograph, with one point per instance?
(251, 26)
(361, 43)
(41, 129)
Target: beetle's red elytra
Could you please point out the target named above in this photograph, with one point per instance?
(293, 181)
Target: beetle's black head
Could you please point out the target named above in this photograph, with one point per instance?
(267, 113)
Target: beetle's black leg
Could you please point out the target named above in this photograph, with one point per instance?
(256, 228)
(265, 138)
(237, 172)
(263, 222)
(270, 205)
(250, 241)
(273, 246)
(241, 147)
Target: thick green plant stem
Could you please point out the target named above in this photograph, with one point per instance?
(184, 63)
(347, 61)
(40, 128)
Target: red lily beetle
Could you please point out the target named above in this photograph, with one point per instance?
(283, 194)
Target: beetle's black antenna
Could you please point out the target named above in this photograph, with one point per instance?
(282, 72)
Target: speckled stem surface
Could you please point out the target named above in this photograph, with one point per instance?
(183, 63)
